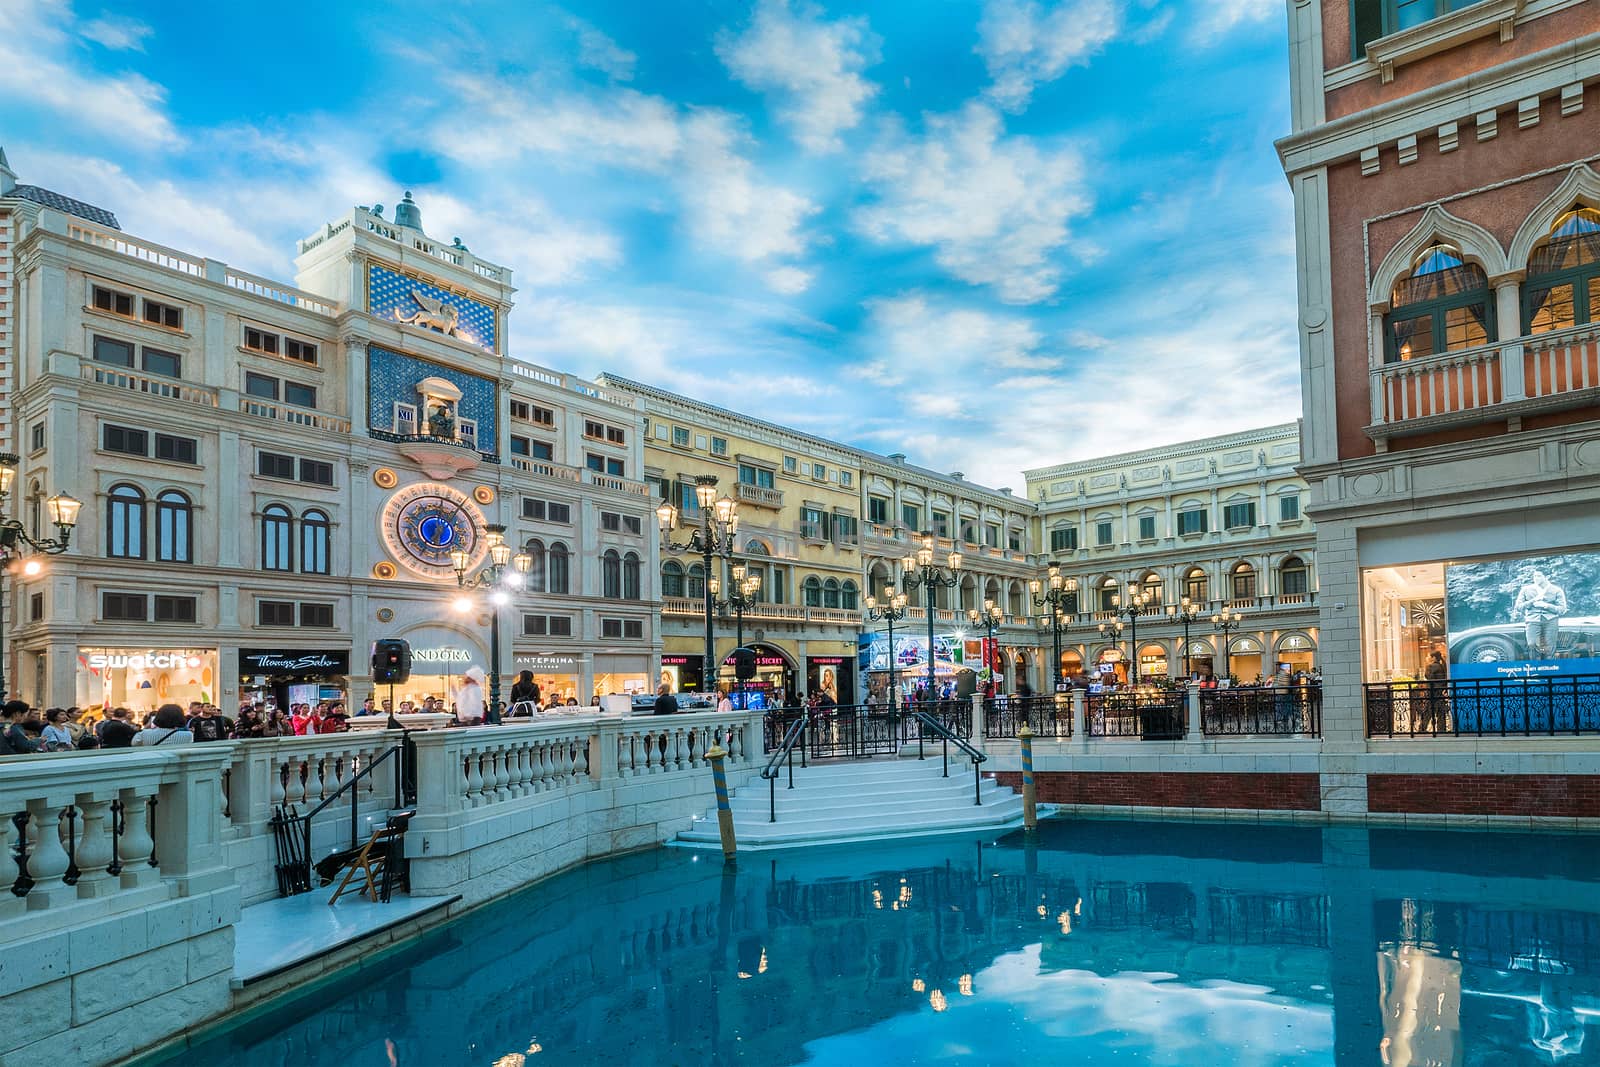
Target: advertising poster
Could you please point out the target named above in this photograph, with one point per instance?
(1526, 618)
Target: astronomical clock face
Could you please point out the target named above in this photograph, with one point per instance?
(423, 524)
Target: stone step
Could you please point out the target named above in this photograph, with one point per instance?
(862, 773)
(802, 802)
(884, 812)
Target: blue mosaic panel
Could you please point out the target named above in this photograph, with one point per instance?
(392, 379)
(391, 295)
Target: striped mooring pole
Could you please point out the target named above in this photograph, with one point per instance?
(719, 777)
(1030, 806)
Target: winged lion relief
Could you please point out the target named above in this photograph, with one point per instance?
(430, 312)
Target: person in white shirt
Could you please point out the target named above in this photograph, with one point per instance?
(167, 728)
(469, 698)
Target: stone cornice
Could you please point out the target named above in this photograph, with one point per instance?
(1282, 432)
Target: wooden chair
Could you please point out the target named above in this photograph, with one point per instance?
(374, 861)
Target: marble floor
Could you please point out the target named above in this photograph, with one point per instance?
(280, 933)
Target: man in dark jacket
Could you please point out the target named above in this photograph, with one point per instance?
(117, 731)
(666, 703)
(14, 740)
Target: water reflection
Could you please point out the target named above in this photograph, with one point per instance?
(1133, 943)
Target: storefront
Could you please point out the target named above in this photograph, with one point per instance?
(1152, 663)
(142, 679)
(681, 673)
(1244, 660)
(293, 676)
(774, 683)
(1201, 660)
(557, 674)
(833, 675)
(617, 672)
(1110, 667)
(1297, 653)
(440, 656)
(910, 662)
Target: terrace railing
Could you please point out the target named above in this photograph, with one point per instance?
(1046, 716)
(1488, 707)
(1291, 711)
(1150, 715)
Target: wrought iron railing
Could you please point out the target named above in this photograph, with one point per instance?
(1151, 715)
(1288, 711)
(861, 731)
(1046, 716)
(1487, 707)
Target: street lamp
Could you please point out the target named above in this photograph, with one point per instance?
(1226, 622)
(1113, 631)
(1186, 612)
(892, 610)
(16, 542)
(493, 577)
(1139, 602)
(1060, 595)
(921, 570)
(719, 525)
(991, 616)
(741, 598)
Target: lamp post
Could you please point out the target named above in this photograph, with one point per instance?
(921, 570)
(989, 617)
(891, 610)
(1060, 595)
(1185, 612)
(719, 525)
(493, 577)
(1113, 631)
(1138, 602)
(1226, 622)
(740, 599)
(16, 542)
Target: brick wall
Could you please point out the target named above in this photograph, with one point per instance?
(1268, 792)
(1563, 795)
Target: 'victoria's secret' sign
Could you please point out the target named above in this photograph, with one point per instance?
(293, 661)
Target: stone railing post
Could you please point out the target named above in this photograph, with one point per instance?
(1192, 706)
(250, 785)
(439, 774)
(978, 730)
(1080, 714)
(188, 818)
(603, 750)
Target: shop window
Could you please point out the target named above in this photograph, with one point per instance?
(1242, 580)
(174, 608)
(277, 538)
(1443, 305)
(630, 577)
(611, 575)
(1563, 286)
(560, 559)
(1192, 521)
(1293, 578)
(1239, 516)
(811, 592)
(1064, 539)
(174, 527)
(275, 613)
(125, 522)
(314, 529)
(124, 607)
(672, 578)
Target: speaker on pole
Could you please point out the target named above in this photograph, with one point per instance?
(744, 664)
(391, 660)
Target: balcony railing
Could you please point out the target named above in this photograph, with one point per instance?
(759, 495)
(684, 605)
(1290, 711)
(613, 483)
(117, 378)
(316, 420)
(120, 243)
(1158, 715)
(1489, 707)
(1046, 716)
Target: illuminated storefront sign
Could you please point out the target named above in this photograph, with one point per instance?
(254, 661)
(140, 661)
(440, 655)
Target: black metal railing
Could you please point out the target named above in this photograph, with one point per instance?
(1287, 711)
(1486, 707)
(1151, 715)
(1046, 715)
(861, 731)
(794, 732)
(291, 830)
(931, 727)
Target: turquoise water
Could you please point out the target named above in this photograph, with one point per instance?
(1099, 943)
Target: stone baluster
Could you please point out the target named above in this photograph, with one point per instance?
(624, 755)
(502, 775)
(563, 770)
(681, 750)
(275, 792)
(137, 843)
(474, 778)
(94, 849)
(314, 786)
(10, 904)
(295, 786)
(652, 758)
(47, 859)
(517, 766)
(580, 749)
(539, 757)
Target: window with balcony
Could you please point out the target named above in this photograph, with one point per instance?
(1242, 582)
(846, 530)
(811, 592)
(1293, 577)
(672, 578)
(1443, 305)
(941, 524)
(911, 517)
(1563, 286)
(1196, 586)
(761, 477)
(991, 535)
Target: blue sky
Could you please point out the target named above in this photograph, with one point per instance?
(992, 234)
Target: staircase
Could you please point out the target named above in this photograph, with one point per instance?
(861, 801)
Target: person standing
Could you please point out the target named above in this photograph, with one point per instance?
(524, 691)
(167, 728)
(469, 698)
(1539, 605)
(205, 724)
(14, 740)
(366, 708)
(666, 703)
(117, 731)
(55, 736)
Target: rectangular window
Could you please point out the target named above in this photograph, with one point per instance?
(1372, 19)
(301, 396)
(819, 472)
(260, 385)
(680, 437)
(124, 607)
(533, 509)
(175, 608)
(610, 521)
(1014, 540)
(542, 416)
(316, 615)
(166, 364)
(275, 465)
(941, 524)
(750, 474)
(789, 464)
(991, 535)
(631, 524)
(176, 449)
(110, 300)
(911, 517)
(1288, 508)
(1295, 581)
(632, 629)
(1147, 527)
(275, 612)
(1064, 539)
(559, 513)
(846, 530)
(594, 429)
(616, 468)
(542, 450)
(1103, 532)
(846, 479)
(520, 446)
(163, 314)
(813, 524)
(36, 436)
(878, 510)
(519, 410)
(261, 341)
(124, 439)
(1192, 522)
(535, 625)
(1238, 516)
(35, 607)
(1244, 584)
(300, 351)
(316, 472)
(561, 626)
(610, 627)
(615, 435)
(719, 446)
(595, 462)
(110, 350)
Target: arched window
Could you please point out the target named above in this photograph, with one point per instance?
(277, 538)
(314, 528)
(850, 596)
(1242, 580)
(672, 578)
(560, 571)
(830, 593)
(538, 572)
(1152, 586)
(630, 577)
(125, 522)
(611, 575)
(1441, 306)
(811, 591)
(174, 528)
(755, 547)
(1293, 578)
(1196, 586)
(1563, 287)
(695, 584)
(1109, 595)
(1014, 600)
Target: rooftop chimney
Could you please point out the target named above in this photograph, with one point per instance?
(897, 457)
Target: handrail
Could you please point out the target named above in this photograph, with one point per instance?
(785, 751)
(943, 732)
(294, 868)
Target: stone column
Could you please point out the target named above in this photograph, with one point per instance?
(188, 819)
(1508, 320)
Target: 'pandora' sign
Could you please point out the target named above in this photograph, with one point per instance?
(440, 655)
(142, 660)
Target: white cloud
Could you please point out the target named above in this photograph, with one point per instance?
(812, 67)
(37, 69)
(994, 208)
(727, 205)
(118, 33)
(789, 280)
(1024, 43)
(1218, 20)
(619, 126)
(597, 51)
